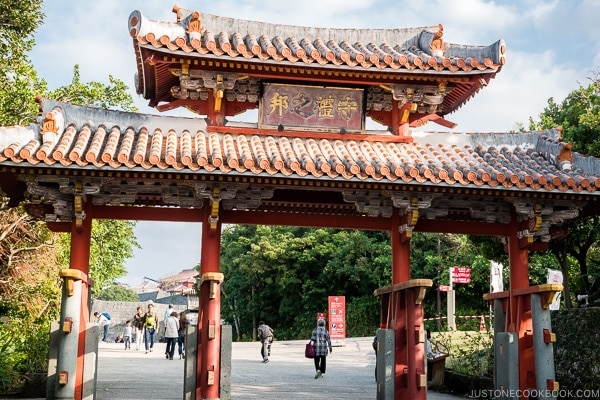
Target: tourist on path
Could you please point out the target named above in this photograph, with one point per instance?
(171, 333)
(265, 335)
(322, 342)
(104, 321)
(183, 323)
(139, 323)
(150, 327)
(127, 333)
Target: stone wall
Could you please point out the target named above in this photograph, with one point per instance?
(577, 351)
(121, 311)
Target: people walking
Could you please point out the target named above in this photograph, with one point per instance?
(166, 316)
(375, 346)
(104, 321)
(183, 322)
(139, 324)
(171, 334)
(150, 327)
(127, 333)
(265, 335)
(322, 342)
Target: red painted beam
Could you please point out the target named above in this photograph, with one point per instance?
(289, 219)
(462, 227)
(59, 226)
(311, 220)
(147, 214)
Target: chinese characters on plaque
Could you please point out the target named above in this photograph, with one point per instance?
(311, 108)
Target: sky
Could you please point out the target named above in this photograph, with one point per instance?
(552, 49)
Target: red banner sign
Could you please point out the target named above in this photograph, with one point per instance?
(444, 288)
(337, 317)
(461, 275)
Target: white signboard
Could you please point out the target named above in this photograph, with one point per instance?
(496, 280)
(555, 276)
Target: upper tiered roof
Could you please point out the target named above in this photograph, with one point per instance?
(178, 63)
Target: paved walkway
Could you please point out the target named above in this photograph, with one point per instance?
(131, 374)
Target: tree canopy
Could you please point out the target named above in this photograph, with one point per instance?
(579, 116)
(30, 255)
(284, 275)
(118, 293)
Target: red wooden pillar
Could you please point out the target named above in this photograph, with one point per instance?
(519, 318)
(407, 320)
(401, 306)
(80, 260)
(400, 251)
(74, 313)
(209, 317)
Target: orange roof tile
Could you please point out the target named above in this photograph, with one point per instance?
(136, 142)
(176, 61)
(408, 48)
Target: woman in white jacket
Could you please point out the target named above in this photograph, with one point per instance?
(171, 334)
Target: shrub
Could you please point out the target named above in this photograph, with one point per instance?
(471, 353)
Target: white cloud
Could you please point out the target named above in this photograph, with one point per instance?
(521, 90)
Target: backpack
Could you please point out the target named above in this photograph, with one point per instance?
(106, 315)
(149, 320)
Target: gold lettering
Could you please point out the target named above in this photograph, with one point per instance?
(325, 106)
(346, 107)
(279, 103)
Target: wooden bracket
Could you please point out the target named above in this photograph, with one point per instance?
(215, 200)
(213, 278)
(70, 275)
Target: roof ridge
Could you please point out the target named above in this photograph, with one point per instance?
(217, 24)
(80, 116)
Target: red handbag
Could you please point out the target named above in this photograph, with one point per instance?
(309, 351)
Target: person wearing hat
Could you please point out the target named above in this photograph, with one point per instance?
(151, 326)
(322, 342)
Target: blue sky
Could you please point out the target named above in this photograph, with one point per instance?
(552, 49)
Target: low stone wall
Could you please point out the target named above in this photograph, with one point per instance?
(121, 311)
(577, 351)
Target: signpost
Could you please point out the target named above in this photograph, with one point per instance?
(461, 275)
(337, 319)
(457, 275)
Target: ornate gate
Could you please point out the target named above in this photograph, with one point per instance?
(308, 161)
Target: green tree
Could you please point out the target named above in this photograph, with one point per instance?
(285, 275)
(29, 252)
(29, 295)
(113, 95)
(112, 243)
(18, 80)
(579, 116)
(118, 293)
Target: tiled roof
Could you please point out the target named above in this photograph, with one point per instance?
(93, 139)
(393, 49)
